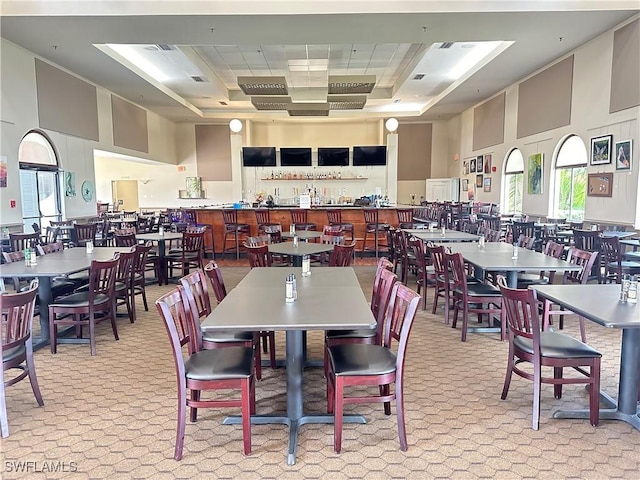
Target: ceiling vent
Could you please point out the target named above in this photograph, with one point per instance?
(308, 110)
(165, 47)
(418, 76)
(263, 85)
(346, 102)
(351, 84)
(271, 103)
(446, 45)
(198, 79)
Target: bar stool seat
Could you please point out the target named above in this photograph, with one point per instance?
(263, 221)
(335, 219)
(405, 218)
(299, 219)
(232, 227)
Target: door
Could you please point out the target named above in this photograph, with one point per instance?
(40, 197)
(125, 195)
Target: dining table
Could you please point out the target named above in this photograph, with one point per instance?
(437, 236)
(161, 240)
(299, 250)
(328, 299)
(600, 304)
(305, 235)
(64, 262)
(499, 257)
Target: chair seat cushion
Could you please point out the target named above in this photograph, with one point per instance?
(481, 290)
(336, 334)
(531, 279)
(79, 299)
(625, 264)
(557, 345)
(227, 336)
(361, 359)
(179, 255)
(220, 364)
(79, 277)
(13, 353)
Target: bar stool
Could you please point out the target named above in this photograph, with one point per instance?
(373, 226)
(405, 218)
(232, 227)
(335, 219)
(263, 221)
(299, 218)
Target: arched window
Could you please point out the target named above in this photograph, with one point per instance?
(570, 179)
(513, 183)
(39, 184)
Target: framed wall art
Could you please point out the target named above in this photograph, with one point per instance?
(478, 181)
(465, 168)
(600, 185)
(487, 163)
(465, 184)
(534, 174)
(472, 166)
(601, 149)
(487, 184)
(623, 155)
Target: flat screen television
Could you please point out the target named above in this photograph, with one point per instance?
(369, 155)
(295, 157)
(258, 156)
(333, 157)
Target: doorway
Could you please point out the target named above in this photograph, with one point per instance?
(125, 195)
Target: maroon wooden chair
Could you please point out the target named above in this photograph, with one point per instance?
(405, 218)
(334, 215)
(124, 282)
(472, 297)
(85, 232)
(197, 291)
(425, 273)
(88, 307)
(16, 345)
(552, 249)
(360, 364)
(379, 305)
(299, 218)
(235, 229)
(263, 220)
(375, 228)
(528, 344)
(141, 265)
(190, 254)
(442, 281)
(341, 255)
(125, 239)
(259, 256)
(218, 369)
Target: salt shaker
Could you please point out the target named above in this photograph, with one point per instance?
(306, 266)
(481, 241)
(295, 240)
(89, 246)
(292, 228)
(515, 252)
(289, 295)
(632, 295)
(443, 231)
(161, 230)
(624, 288)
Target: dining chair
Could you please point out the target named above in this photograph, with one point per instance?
(472, 297)
(383, 286)
(299, 217)
(16, 345)
(189, 256)
(613, 261)
(141, 265)
(529, 344)
(392, 253)
(123, 287)
(85, 232)
(263, 220)
(21, 241)
(50, 235)
(585, 260)
(235, 229)
(341, 255)
(217, 369)
(361, 364)
(259, 256)
(551, 249)
(125, 238)
(406, 258)
(197, 292)
(334, 215)
(405, 218)
(88, 307)
(425, 272)
(375, 227)
(589, 240)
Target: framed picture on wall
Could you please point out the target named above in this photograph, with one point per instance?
(487, 184)
(600, 185)
(465, 184)
(465, 168)
(601, 149)
(623, 155)
(480, 164)
(478, 181)
(534, 174)
(487, 163)
(472, 166)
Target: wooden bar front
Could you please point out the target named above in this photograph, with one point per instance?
(353, 215)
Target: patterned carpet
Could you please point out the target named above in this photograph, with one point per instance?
(113, 415)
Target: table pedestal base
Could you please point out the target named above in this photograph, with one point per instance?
(605, 414)
(294, 426)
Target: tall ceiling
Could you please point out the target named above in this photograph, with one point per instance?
(428, 60)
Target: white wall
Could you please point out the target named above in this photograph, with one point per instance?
(19, 114)
(590, 117)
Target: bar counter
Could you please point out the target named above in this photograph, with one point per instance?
(282, 215)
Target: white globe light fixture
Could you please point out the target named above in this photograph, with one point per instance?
(392, 125)
(235, 125)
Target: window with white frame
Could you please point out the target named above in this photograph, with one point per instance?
(570, 190)
(513, 183)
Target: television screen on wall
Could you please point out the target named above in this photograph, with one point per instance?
(258, 156)
(369, 155)
(295, 157)
(333, 157)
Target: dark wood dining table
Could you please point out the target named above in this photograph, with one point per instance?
(64, 262)
(601, 305)
(328, 299)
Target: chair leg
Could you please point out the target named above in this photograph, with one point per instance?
(245, 393)
(557, 388)
(583, 332)
(508, 375)
(338, 407)
(92, 331)
(402, 430)
(53, 331)
(193, 411)
(594, 393)
(272, 350)
(31, 370)
(182, 420)
(537, 384)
